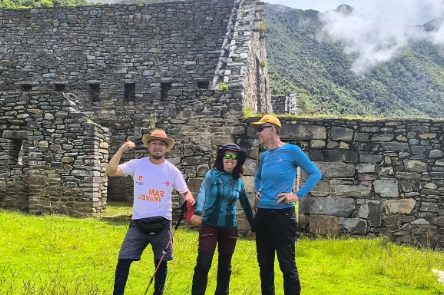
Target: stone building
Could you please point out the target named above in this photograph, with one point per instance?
(78, 82)
(285, 104)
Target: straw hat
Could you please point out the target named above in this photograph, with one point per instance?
(158, 134)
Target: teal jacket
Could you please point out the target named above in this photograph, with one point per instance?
(216, 200)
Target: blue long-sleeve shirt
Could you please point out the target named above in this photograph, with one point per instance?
(277, 174)
(216, 200)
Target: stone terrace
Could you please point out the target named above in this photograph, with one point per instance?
(176, 42)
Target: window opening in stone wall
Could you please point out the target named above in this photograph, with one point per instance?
(203, 85)
(26, 87)
(129, 91)
(59, 87)
(258, 86)
(17, 152)
(94, 90)
(164, 88)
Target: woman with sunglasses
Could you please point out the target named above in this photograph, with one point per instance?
(215, 212)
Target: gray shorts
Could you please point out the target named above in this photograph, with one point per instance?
(136, 241)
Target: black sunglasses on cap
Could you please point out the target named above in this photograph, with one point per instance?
(261, 128)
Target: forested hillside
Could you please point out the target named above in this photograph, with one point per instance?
(411, 84)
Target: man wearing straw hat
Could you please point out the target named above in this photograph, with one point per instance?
(154, 180)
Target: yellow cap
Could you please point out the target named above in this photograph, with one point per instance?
(266, 119)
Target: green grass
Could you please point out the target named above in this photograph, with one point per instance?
(61, 255)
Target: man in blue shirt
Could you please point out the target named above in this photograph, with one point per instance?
(276, 225)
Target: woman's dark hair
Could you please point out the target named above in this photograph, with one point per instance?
(238, 171)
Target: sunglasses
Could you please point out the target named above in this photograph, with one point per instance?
(261, 128)
(228, 156)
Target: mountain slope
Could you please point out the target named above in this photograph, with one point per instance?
(411, 84)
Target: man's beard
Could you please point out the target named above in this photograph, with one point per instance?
(156, 157)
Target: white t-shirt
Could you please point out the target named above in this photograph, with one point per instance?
(153, 187)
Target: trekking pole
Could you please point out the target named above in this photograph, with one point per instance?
(183, 209)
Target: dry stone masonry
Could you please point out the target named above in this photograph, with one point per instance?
(116, 72)
(52, 157)
(285, 104)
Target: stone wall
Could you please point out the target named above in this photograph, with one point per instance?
(250, 47)
(13, 166)
(177, 43)
(285, 104)
(60, 164)
(379, 178)
(53, 158)
(202, 122)
(168, 52)
(127, 53)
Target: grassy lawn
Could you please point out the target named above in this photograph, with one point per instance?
(61, 255)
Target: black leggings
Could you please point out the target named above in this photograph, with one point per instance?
(209, 237)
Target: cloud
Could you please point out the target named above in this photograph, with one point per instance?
(439, 37)
(381, 34)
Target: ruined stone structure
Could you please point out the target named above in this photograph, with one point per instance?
(78, 82)
(285, 104)
(67, 74)
(52, 157)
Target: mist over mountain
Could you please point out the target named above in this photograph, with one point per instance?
(343, 63)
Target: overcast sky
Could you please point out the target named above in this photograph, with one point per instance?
(372, 7)
(323, 5)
